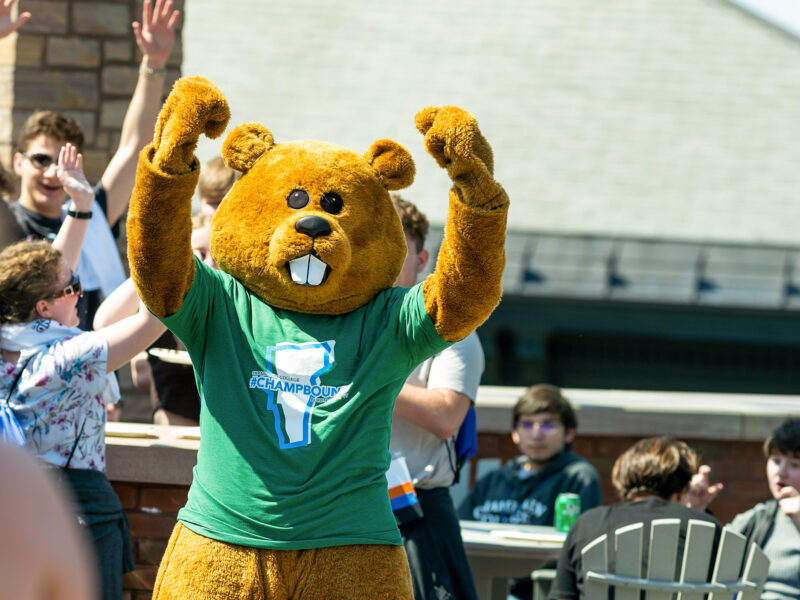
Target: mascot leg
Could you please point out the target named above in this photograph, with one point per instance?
(196, 567)
(359, 571)
(200, 568)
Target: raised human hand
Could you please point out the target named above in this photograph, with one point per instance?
(452, 137)
(70, 173)
(701, 492)
(7, 26)
(789, 501)
(194, 106)
(155, 35)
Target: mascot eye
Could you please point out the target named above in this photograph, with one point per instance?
(332, 203)
(298, 199)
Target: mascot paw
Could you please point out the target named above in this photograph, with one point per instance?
(194, 106)
(452, 137)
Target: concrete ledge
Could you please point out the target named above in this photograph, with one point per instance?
(162, 457)
(642, 413)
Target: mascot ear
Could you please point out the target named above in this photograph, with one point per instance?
(245, 144)
(393, 163)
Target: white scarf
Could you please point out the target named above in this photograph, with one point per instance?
(34, 337)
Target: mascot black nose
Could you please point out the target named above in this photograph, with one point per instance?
(313, 226)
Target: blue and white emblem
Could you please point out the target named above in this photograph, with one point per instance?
(293, 387)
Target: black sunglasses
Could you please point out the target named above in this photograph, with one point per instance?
(40, 160)
(73, 288)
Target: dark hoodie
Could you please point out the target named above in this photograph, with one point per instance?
(513, 494)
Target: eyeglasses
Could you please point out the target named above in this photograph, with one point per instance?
(73, 288)
(40, 160)
(544, 426)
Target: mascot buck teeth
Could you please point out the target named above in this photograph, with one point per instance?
(300, 343)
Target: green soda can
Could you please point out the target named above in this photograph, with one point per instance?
(568, 509)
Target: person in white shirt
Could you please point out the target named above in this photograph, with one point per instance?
(428, 413)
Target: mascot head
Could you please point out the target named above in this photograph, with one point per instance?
(310, 226)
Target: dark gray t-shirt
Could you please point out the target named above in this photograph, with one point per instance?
(782, 547)
(606, 520)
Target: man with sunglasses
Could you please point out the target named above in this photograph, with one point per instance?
(524, 491)
(41, 208)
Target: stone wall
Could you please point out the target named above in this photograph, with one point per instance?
(78, 57)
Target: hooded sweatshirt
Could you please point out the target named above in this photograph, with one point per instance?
(513, 494)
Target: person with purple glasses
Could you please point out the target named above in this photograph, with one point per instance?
(524, 491)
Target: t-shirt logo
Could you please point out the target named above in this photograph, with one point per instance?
(293, 387)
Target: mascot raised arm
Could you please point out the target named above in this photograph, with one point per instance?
(300, 343)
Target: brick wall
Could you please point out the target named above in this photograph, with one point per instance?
(152, 509)
(152, 512)
(78, 57)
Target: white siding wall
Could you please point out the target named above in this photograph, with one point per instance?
(664, 118)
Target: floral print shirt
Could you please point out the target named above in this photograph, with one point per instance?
(63, 389)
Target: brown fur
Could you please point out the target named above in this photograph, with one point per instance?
(197, 567)
(466, 285)
(254, 235)
(159, 219)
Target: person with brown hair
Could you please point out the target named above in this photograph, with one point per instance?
(39, 210)
(524, 491)
(652, 478)
(216, 178)
(774, 524)
(57, 379)
(427, 415)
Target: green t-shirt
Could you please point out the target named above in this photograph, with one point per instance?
(295, 414)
